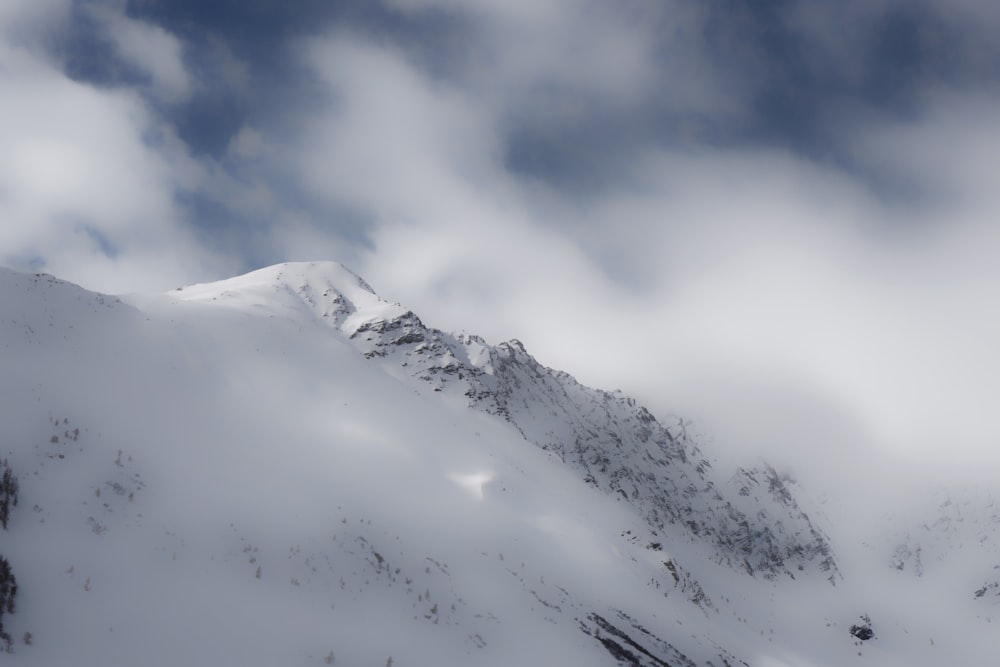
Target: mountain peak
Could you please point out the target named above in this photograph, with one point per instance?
(324, 289)
(326, 273)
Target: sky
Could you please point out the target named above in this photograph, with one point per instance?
(774, 219)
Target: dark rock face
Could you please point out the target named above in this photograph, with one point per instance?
(862, 632)
(991, 589)
(631, 644)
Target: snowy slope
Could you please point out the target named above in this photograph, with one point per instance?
(284, 468)
(614, 444)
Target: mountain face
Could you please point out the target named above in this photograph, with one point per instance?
(285, 468)
(751, 522)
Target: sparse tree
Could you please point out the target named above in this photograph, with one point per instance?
(8, 594)
(8, 587)
(8, 492)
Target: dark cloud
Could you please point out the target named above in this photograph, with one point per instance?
(798, 78)
(260, 38)
(722, 74)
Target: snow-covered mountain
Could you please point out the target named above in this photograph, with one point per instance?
(285, 468)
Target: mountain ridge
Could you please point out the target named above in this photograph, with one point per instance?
(652, 468)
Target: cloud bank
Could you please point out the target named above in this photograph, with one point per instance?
(776, 219)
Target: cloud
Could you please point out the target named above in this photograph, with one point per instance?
(586, 83)
(88, 177)
(775, 218)
(150, 49)
(21, 19)
(797, 307)
(421, 159)
(392, 136)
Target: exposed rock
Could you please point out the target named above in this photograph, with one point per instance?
(631, 644)
(618, 446)
(864, 630)
(991, 589)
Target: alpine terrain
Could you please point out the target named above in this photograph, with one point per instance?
(284, 468)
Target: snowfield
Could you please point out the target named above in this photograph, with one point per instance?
(284, 468)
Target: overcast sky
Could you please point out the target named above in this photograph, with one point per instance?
(778, 218)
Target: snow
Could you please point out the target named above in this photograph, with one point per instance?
(287, 289)
(232, 473)
(474, 483)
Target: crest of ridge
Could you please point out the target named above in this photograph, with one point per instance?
(327, 290)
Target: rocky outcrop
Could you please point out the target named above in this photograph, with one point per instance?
(753, 521)
(989, 590)
(630, 643)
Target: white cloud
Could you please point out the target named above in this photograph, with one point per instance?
(149, 48)
(88, 178)
(393, 140)
(789, 305)
(22, 20)
(567, 60)
(784, 303)
(774, 289)
(422, 159)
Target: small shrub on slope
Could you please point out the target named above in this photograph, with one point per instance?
(8, 492)
(8, 594)
(8, 584)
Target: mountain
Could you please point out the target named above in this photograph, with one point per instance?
(286, 468)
